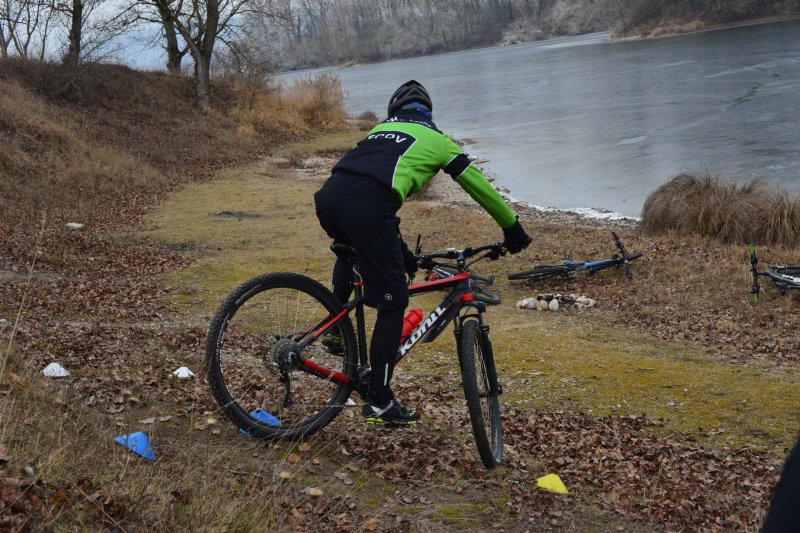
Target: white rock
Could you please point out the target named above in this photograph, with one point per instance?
(183, 373)
(54, 370)
(75, 226)
(591, 303)
(531, 303)
(553, 305)
(521, 304)
(582, 300)
(350, 402)
(543, 305)
(580, 307)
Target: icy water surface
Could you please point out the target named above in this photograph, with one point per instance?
(582, 122)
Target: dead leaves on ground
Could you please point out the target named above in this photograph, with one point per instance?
(123, 330)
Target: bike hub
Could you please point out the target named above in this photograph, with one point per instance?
(286, 354)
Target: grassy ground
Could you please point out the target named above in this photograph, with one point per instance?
(668, 407)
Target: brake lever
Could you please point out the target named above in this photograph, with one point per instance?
(494, 255)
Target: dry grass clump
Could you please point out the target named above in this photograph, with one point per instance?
(368, 116)
(314, 104)
(710, 206)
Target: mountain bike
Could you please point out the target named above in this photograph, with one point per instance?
(568, 266)
(273, 378)
(785, 277)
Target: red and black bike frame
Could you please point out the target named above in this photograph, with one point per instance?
(459, 297)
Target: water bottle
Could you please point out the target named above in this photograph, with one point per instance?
(410, 321)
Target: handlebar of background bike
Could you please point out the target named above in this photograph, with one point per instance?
(755, 288)
(619, 244)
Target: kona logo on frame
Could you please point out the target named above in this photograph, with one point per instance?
(421, 330)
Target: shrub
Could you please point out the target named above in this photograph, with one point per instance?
(710, 206)
(309, 104)
(368, 116)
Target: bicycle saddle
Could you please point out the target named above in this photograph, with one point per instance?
(345, 252)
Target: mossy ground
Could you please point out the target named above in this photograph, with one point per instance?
(566, 361)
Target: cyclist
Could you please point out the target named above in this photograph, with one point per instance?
(358, 205)
(784, 511)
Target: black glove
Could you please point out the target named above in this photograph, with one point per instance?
(516, 239)
(409, 260)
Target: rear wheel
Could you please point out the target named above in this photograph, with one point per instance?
(484, 409)
(250, 363)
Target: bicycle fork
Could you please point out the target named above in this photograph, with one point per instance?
(487, 361)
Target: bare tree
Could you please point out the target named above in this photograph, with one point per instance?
(24, 24)
(162, 12)
(91, 26)
(200, 23)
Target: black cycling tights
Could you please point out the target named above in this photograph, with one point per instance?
(382, 353)
(385, 336)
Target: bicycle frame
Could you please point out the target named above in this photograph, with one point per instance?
(459, 297)
(783, 281)
(567, 266)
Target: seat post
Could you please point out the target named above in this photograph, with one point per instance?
(347, 253)
(358, 289)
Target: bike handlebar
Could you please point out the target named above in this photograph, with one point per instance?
(495, 250)
(755, 288)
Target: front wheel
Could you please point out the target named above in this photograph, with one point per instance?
(253, 358)
(477, 365)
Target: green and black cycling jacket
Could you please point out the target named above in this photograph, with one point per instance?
(406, 151)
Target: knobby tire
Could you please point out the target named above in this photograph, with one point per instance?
(484, 410)
(238, 357)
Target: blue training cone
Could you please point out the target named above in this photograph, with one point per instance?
(265, 418)
(138, 443)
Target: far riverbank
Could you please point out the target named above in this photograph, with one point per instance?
(673, 28)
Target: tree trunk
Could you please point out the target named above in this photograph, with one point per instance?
(3, 45)
(75, 29)
(202, 49)
(174, 53)
(202, 67)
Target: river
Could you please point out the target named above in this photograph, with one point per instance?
(582, 122)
